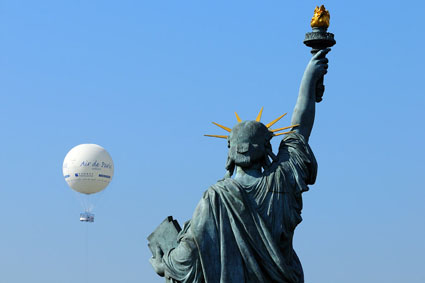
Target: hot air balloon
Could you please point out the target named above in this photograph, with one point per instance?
(88, 169)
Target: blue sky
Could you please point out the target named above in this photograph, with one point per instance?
(145, 79)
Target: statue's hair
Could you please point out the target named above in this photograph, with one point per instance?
(265, 162)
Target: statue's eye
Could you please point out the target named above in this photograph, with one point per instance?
(255, 145)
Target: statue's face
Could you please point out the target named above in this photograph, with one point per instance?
(247, 143)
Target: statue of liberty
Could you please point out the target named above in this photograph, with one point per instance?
(242, 228)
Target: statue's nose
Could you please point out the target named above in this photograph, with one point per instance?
(242, 148)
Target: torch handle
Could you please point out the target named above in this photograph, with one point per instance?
(320, 87)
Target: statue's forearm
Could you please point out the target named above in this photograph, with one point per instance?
(306, 104)
(305, 107)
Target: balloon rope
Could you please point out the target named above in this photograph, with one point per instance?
(86, 203)
(87, 252)
(82, 200)
(96, 198)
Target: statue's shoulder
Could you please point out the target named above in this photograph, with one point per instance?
(212, 197)
(293, 144)
(293, 138)
(221, 187)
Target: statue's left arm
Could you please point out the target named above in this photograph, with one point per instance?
(305, 108)
(180, 264)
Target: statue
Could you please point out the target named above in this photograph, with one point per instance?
(242, 228)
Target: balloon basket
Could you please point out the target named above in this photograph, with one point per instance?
(87, 217)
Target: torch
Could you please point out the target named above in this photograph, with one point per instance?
(319, 39)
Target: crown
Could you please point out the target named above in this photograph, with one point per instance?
(258, 119)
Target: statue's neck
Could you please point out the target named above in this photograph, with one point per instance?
(248, 176)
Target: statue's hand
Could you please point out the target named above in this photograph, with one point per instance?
(317, 67)
(157, 263)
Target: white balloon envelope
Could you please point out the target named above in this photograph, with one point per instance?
(88, 168)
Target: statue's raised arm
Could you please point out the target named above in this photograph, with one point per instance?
(305, 108)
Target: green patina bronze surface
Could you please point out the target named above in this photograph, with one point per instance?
(242, 228)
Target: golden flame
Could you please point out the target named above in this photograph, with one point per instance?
(321, 18)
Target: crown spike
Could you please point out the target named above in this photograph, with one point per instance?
(284, 128)
(223, 127)
(237, 117)
(274, 121)
(283, 133)
(216, 136)
(258, 119)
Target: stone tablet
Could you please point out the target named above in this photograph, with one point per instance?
(164, 236)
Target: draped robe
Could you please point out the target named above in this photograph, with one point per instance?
(244, 234)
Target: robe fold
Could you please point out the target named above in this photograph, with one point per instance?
(244, 234)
